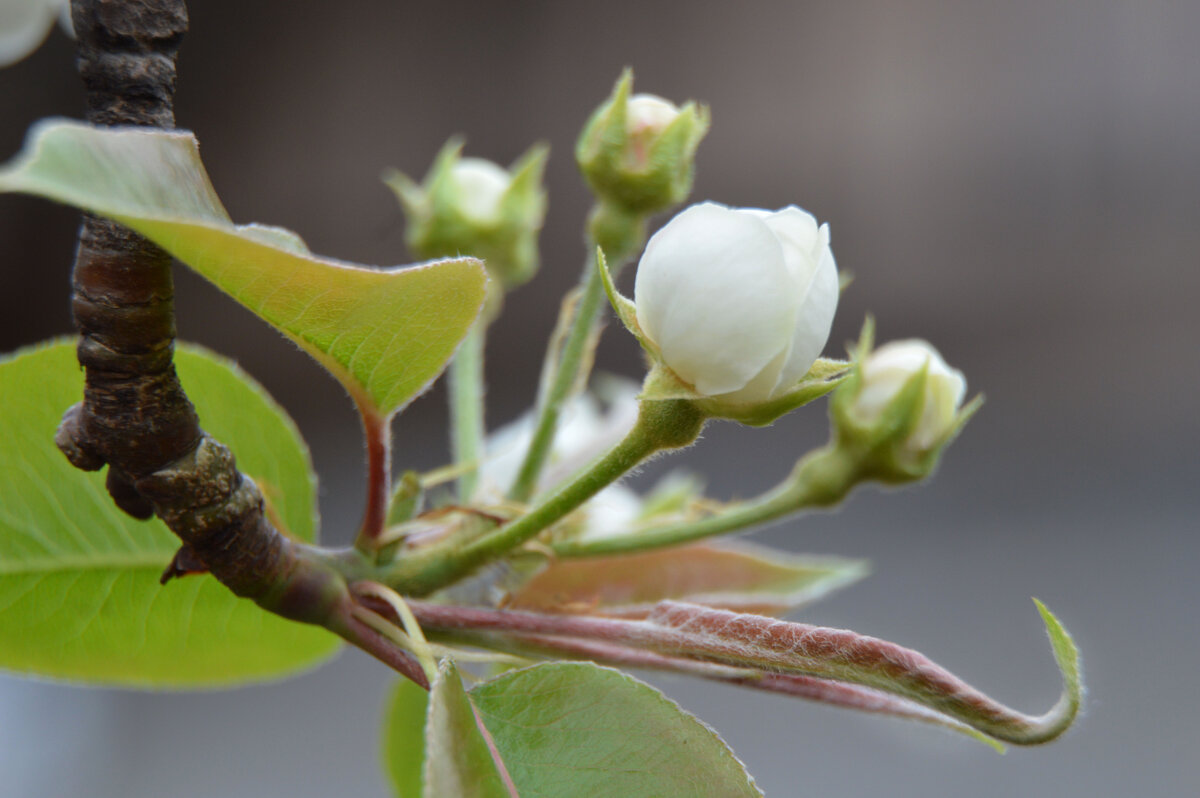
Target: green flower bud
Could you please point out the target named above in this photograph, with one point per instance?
(901, 406)
(637, 151)
(469, 206)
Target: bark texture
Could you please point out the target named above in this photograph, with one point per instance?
(135, 417)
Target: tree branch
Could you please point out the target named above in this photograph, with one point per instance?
(135, 417)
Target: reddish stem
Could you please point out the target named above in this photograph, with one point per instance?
(377, 645)
(378, 434)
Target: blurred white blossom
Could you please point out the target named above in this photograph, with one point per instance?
(24, 25)
(589, 425)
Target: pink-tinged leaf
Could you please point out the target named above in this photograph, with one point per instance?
(811, 688)
(841, 655)
(754, 643)
(736, 577)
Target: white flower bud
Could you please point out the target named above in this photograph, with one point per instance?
(886, 370)
(480, 184)
(738, 302)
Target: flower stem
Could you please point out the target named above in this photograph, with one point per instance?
(619, 233)
(466, 409)
(821, 479)
(559, 386)
(660, 425)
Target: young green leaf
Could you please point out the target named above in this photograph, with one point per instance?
(460, 759)
(737, 576)
(577, 730)
(79, 591)
(404, 738)
(385, 334)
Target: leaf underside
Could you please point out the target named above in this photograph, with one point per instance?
(384, 333)
(79, 591)
(734, 576)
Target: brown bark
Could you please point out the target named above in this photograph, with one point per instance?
(135, 417)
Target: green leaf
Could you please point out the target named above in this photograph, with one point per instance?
(577, 730)
(385, 334)
(738, 576)
(79, 591)
(459, 761)
(404, 738)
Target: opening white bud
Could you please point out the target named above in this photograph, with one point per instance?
(739, 302)
(481, 185)
(649, 113)
(888, 368)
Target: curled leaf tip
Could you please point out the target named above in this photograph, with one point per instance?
(1066, 655)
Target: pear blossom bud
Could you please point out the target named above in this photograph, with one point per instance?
(637, 150)
(904, 405)
(469, 206)
(24, 25)
(884, 374)
(738, 302)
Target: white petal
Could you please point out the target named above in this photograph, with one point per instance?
(24, 25)
(815, 317)
(714, 293)
(611, 512)
(649, 112)
(482, 184)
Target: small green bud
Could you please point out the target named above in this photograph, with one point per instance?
(637, 151)
(469, 206)
(900, 407)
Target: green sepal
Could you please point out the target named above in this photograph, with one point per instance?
(625, 309)
(407, 498)
(662, 384)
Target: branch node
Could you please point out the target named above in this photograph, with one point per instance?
(73, 442)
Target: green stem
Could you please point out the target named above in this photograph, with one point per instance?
(466, 409)
(660, 425)
(619, 233)
(821, 479)
(565, 376)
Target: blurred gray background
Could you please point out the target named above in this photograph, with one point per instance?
(1016, 182)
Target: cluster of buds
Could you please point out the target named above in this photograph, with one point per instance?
(734, 307)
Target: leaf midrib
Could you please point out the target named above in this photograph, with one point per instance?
(90, 562)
